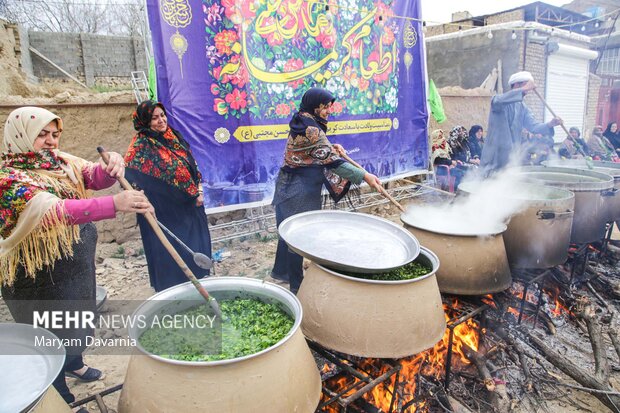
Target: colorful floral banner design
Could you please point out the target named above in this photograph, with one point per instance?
(231, 73)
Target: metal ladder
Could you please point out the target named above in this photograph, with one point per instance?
(140, 85)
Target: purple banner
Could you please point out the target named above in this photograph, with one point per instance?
(232, 72)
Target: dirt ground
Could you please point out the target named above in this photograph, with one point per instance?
(121, 269)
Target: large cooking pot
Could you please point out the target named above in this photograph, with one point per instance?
(367, 318)
(591, 190)
(609, 168)
(28, 370)
(538, 235)
(283, 378)
(473, 259)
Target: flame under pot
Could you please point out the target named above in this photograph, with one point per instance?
(538, 236)
(366, 318)
(473, 262)
(283, 378)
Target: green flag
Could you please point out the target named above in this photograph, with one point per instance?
(152, 80)
(434, 101)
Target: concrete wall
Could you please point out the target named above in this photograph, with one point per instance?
(91, 58)
(467, 60)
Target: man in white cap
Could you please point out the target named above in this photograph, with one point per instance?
(507, 119)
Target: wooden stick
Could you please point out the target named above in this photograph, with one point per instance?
(561, 124)
(167, 245)
(60, 69)
(577, 374)
(585, 311)
(429, 187)
(379, 188)
(550, 110)
(497, 392)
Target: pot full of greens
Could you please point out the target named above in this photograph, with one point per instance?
(256, 317)
(423, 266)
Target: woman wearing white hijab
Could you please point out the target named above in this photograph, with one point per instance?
(47, 239)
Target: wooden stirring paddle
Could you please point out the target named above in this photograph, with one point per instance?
(150, 218)
(379, 188)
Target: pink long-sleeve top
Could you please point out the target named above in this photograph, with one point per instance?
(81, 211)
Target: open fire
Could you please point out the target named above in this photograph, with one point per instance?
(431, 364)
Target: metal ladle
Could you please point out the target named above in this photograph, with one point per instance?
(200, 259)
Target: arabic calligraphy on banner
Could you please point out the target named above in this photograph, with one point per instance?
(248, 63)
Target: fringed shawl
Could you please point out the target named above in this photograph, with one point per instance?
(33, 230)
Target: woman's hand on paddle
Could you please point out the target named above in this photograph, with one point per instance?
(116, 165)
(339, 149)
(132, 201)
(372, 180)
(200, 200)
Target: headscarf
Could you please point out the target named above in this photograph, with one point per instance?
(440, 147)
(307, 145)
(472, 133)
(165, 156)
(313, 101)
(608, 133)
(613, 137)
(599, 143)
(33, 228)
(458, 136)
(574, 129)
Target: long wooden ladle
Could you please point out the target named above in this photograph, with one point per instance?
(379, 188)
(150, 218)
(561, 124)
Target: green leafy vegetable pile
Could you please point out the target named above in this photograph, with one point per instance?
(251, 326)
(407, 272)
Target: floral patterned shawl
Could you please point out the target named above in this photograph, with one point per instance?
(440, 147)
(308, 146)
(33, 230)
(165, 156)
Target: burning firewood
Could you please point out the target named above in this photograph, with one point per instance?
(496, 388)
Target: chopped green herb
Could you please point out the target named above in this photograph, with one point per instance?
(406, 272)
(250, 327)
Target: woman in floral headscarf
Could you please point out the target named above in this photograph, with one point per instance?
(160, 162)
(310, 162)
(47, 244)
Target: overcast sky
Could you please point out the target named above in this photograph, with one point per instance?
(440, 11)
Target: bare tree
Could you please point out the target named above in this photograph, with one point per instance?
(77, 16)
(129, 19)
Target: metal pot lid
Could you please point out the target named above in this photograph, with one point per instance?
(569, 178)
(523, 191)
(609, 168)
(349, 241)
(32, 368)
(450, 224)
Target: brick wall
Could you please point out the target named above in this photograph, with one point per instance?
(594, 86)
(511, 16)
(91, 58)
(536, 64)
